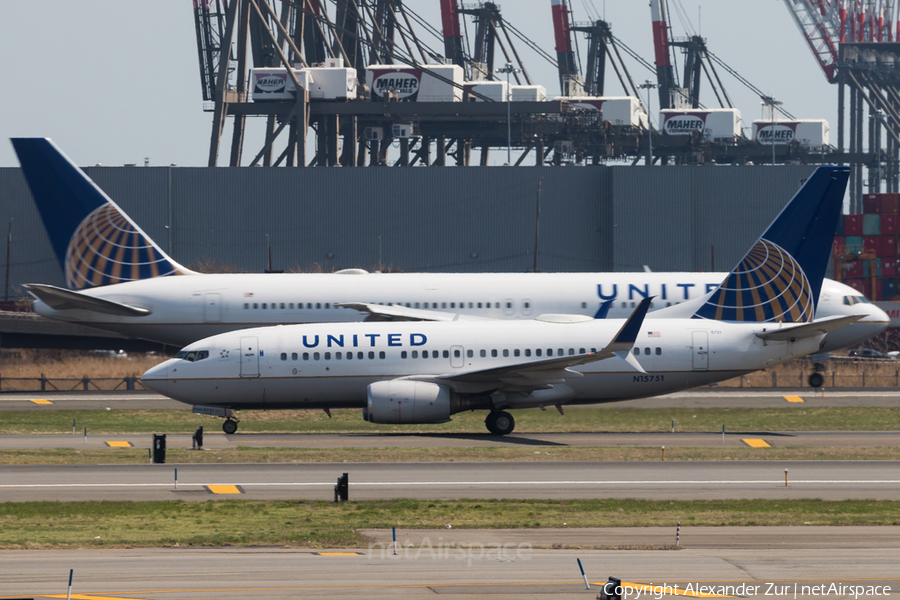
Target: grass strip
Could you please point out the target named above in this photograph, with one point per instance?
(790, 418)
(323, 524)
(243, 454)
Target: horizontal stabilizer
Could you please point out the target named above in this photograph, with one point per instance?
(380, 312)
(63, 299)
(805, 330)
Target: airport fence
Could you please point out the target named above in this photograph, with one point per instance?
(840, 372)
(68, 384)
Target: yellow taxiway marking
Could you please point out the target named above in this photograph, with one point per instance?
(793, 398)
(119, 444)
(86, 597)
(756, 443)
(338, 553)
(41, 401)
(224, 489)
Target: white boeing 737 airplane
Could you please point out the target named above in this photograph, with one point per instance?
(760, 315)
(120, 280)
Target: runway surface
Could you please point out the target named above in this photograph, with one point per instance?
(700, 398)
(830, 480)
(544, 442)
(512, 572)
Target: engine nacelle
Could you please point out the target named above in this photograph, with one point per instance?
(404, 401)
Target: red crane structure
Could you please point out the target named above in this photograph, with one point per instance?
(856, 45)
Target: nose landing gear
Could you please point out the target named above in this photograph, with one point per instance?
(230, 425)
(816, 380)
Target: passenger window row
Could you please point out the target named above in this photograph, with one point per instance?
(336, 356)
(282, 305)
(647, 351)
(424, 305)
(425, 354)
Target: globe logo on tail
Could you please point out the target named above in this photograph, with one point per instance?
(108, 248)
(767, 286)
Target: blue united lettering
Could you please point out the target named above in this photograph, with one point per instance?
(374, 340)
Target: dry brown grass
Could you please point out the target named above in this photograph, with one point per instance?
(74, 365)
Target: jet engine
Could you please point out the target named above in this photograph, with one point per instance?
(405, 401)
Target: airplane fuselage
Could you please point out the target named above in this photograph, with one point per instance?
(183, 309)
(332, 365)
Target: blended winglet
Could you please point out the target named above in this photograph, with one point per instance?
(628, 333)
(95, 242)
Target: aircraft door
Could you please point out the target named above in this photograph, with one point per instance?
(701, 350)
(212, 308)
(249, 357)
(457, 357)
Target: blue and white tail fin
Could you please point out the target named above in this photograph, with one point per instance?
(95, 242)
(780, 278)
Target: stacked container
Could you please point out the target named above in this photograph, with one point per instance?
(870, 246)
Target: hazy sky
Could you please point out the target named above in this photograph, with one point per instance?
(115, 81)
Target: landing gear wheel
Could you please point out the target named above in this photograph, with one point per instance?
(816, 380)
(500, 423)
(229, 426)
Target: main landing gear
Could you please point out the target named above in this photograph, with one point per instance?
(229, 426)
(816, 380)
(500, 423)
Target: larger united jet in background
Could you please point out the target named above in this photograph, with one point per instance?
(761, 314)
(120, 280)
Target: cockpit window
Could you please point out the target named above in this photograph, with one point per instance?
(851, 300)
(193, 355)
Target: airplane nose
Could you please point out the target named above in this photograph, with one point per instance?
(156, 376)
(877, 316)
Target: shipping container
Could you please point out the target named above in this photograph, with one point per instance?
(889, 223)
(851, 269)
(871, 204)
(857, 284)
(887, 246)
(495, 90)
(432, 83)
(624, 110)
(854, 243)
(840, 244)
(809, 132)
(528, 93)
(276, 84)
(869, 265)
(889, 267)
(889, 289)
(890, 204)
(333, 81)
(871, 225)
(714, 124)
(878, 292)
(870, 244)
(853, 225)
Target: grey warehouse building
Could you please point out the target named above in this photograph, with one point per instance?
(439, 219)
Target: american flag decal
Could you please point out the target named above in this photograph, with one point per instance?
(652, 334)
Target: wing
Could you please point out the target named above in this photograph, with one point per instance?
(818, 327)
(541, 374)
(380, 312)
(62, 299)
